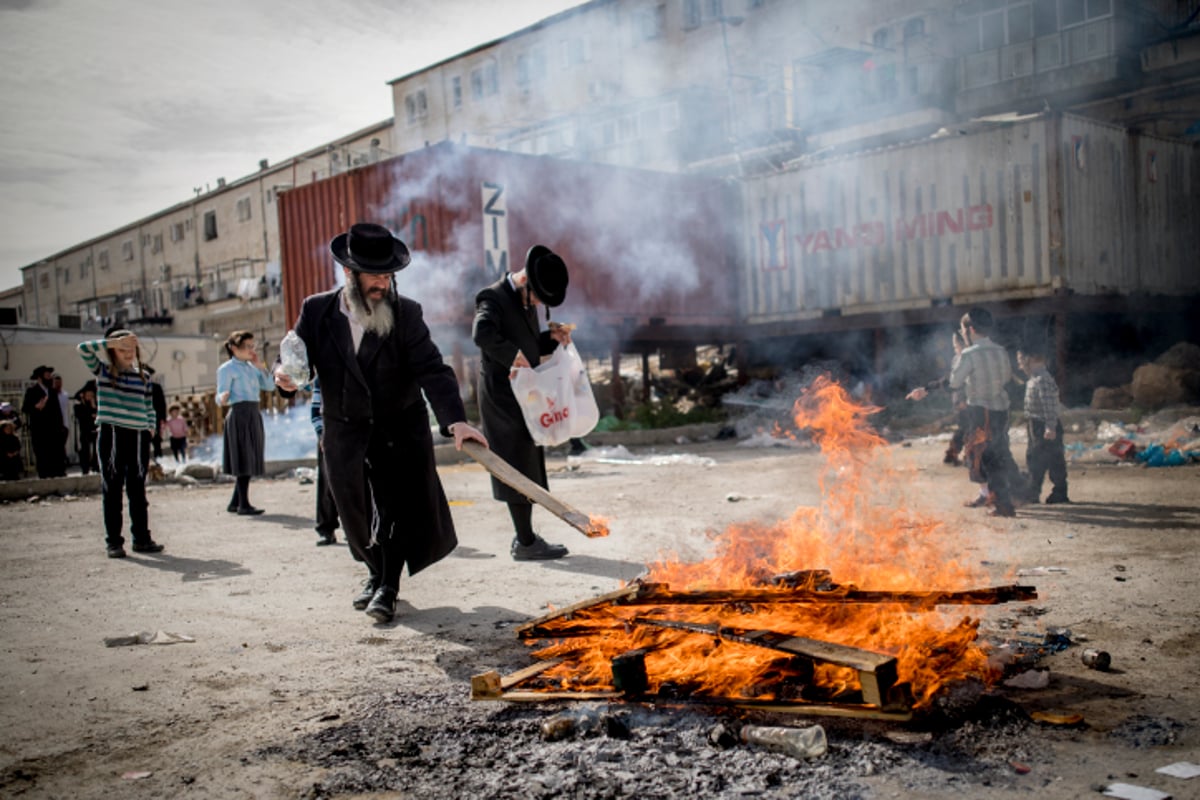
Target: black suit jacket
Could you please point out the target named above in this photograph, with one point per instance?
(377, 443)
(503, 326)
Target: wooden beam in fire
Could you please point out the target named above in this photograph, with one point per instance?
(876, 671)
(557, 624)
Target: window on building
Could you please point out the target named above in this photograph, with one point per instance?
(177, 232)
(477, 84)
(156, 244)
(66, 273)
(914, 28)
(210, 225)
(650, 23)
(716, 9)
(127, 249)
(691, 14)
(491, 79)
(523, 77)
(102, 259)
(85, 267)
(456, 91)
(880, 39)
(575, 52)
(243, 211)
(415, 106)
(44, 280)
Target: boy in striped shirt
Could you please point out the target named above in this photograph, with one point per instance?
(125, 416)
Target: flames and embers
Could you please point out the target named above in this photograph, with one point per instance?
(862, 538)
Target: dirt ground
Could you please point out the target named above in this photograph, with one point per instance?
(287, 691)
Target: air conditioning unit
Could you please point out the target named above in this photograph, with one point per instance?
(70, 321)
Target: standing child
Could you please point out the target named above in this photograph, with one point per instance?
(85, 427)
(126, 418)
(1045, 452)
(175, 428)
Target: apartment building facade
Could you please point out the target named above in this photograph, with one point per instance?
(719, 87)
(207, 266)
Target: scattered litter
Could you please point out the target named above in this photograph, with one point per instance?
(1127, 791)
(734, 497)
(764, 439)
(1019, 768)
(1180, 769)
(620, 454)
(146, 637)
(1030, 679)
(1056, 716)
(1042, 571)
(305, 475)
(1110, 431)
(908, 737)
(801, 743)
(135, 776)
(461, 502)
(1096, 659)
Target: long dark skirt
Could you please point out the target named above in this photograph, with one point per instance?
(244, 440)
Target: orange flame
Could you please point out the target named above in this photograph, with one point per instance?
(878, 546)
(597, 527)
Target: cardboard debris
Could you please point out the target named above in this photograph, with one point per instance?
(1180, 769)
(146, 637)
(1127, 791)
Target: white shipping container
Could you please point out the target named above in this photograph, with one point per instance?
(1011, 211)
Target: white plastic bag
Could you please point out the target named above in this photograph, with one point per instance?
(556, 398)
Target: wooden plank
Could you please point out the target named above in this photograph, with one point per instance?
(542, 697)
(490, 685)
(877, 672)
(506, 473)
(617, 594)
(657, 593)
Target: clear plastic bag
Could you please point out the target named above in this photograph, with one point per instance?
(293, 358)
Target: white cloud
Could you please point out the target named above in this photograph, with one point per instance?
(114, 110)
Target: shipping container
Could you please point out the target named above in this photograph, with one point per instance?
(1044, 206)
(650, 254)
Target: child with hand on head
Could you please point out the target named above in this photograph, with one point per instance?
(125, 415)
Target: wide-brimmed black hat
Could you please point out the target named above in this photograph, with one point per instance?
(37, 372)
(370, 248)
(547, 275)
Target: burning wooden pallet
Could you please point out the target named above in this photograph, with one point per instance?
(882, 695)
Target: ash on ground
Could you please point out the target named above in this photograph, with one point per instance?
(440, 744)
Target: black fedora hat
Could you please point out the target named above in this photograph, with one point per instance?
(369, 248)
(547, 275)
(39, 371)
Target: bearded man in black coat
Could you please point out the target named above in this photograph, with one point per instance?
(506, 329)
(373, 354)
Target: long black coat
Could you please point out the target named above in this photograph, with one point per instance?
(502, 326)
(373, 411)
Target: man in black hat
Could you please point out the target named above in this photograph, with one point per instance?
(372, 352)
(508, 334)
(46, 424)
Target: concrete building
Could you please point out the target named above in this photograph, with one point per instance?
(206, 266)
(723, 87)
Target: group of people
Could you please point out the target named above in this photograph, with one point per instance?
(979, 377)
(374, 367)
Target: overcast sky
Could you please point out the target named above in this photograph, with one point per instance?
(111, 110)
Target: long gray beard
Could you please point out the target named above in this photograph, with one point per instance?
(377, 318)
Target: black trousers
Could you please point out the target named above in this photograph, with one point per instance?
(48, 453)
(327, 514)
(87, 453)
(124, 456)
(179, 447)
(987, 448)
(1044, 456)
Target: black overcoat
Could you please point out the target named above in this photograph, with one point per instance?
(502, 326)
(373, 411)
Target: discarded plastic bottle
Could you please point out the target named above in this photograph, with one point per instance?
(797, 742)
(293, 358)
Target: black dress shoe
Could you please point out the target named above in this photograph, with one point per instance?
(325, 539)
(147, 547)
(366, 595)
(539, 550)
(383, 604)
(116, 552)
(250, 511)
